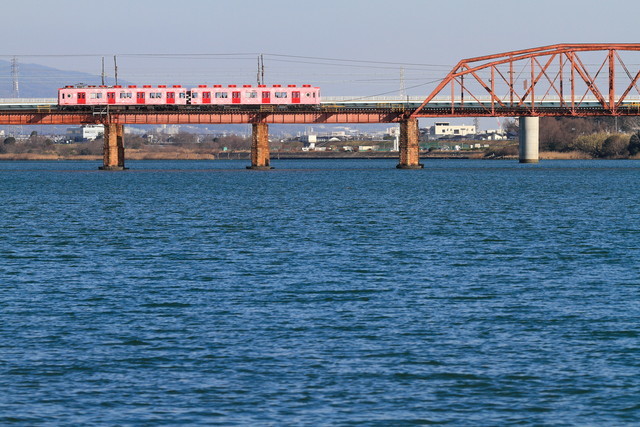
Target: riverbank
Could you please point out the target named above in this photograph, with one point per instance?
(179, 153)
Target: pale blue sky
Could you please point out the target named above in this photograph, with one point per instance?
(406, 31)
(434, 33)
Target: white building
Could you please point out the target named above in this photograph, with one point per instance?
(441, 129)
(85, 133)
(309, 139)
(493, 135)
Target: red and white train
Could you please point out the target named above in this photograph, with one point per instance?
(203, 95)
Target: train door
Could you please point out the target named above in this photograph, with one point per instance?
(82, 97)
(235, 97)
(295, 97)
(171, 97)
(206, 97)
(140, 97)
(111, 97)
(266, 97)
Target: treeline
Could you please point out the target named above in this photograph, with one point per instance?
(601, 137)
(36, 144)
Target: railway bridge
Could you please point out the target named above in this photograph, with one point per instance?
(572, 80)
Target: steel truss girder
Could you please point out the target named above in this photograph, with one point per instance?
(540, 61)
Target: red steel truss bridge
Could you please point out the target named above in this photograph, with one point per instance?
(576, 80)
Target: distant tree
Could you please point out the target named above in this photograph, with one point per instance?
(554, 136)
(511, 126)
(234, 142)
(183, 138)
(634, 144)
(615, 146)
(134, 141)
(590, 143)
(9, 141)
(34, 134)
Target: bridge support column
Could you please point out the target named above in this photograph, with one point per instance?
(529, 139)
(260, 156)
(113, 149)
(409, 145)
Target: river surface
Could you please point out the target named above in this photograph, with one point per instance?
(340, 292)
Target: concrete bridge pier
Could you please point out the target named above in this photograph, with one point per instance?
(260, 155)
(409, 145)
(113, 149)
(529, 139)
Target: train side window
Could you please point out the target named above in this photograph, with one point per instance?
(252, 94)
(194, 94)
(206, 95)
(266, 95)
(222, 95)
(281, 94)
(182, 95)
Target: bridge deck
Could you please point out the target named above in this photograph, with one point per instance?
(41, 111)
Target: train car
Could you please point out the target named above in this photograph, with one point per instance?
(216, 95)
(255, 95)
(122, 96)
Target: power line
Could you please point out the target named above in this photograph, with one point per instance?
(358, 60)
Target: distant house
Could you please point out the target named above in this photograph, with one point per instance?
(445, 129)
(85, 133)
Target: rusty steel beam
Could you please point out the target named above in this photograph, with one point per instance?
(199, 117)
(243, 117)
(38, 118)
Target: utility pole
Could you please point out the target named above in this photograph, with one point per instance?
(115, 66)
(14, 77)
(260, 70)
(258, 73)
(103, 76)
(403, 90)
(15, 130)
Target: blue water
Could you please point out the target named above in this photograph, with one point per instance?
(341, 292)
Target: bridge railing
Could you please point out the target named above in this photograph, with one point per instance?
(487, 100)
(28, 101)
